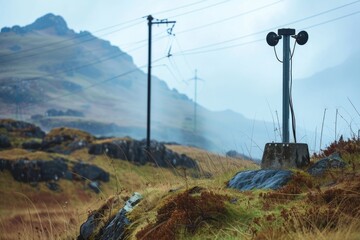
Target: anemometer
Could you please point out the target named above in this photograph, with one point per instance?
(286, 154)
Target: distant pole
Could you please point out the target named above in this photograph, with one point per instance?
(322, 128)
(148, 125)
(337, 110)
(196, 79)
(149, 18)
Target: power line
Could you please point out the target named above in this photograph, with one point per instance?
(279, 26)
(177, 8)
(229, 18)
(200, 9)
(93, 37)
(78, 36)
(42, 77)
(194, 50)
(92, 85)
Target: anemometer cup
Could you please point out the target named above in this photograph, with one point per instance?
(272, 39)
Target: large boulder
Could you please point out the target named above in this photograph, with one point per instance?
(321, 166)
(135, 151)
(260, 179)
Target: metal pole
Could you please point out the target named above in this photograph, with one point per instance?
(149, 18)
(195, 99)
(286, 89)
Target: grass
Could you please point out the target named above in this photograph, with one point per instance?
(192, 206)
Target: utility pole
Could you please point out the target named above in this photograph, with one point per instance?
(195, 78)
(148, 126)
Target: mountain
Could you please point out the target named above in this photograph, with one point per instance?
(49, 70)
(334, 88)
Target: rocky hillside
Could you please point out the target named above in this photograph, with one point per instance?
(50, 182)
(48, 69)
(69, 184)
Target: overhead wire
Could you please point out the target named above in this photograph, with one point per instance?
(86, 34)
(43, 77)
(279, 26)
(78, 36)
(230, 18)
(91, 85)
(196, 50)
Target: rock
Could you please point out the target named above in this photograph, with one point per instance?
(87, 228)
(115, 229)
(53, 170)
(65, 140)
(4, 142)
(53, 186)
(90, 172)
(332, 161)
(95, 186)
(31, 145)
(23, 128)
(5, 164)
(134, 151)
(260, 179)
(24, 170)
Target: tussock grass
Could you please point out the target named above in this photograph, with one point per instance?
(306, 208)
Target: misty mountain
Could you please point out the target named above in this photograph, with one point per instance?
(332, 89)
(47, 67)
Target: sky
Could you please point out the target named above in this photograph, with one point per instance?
(223, 39)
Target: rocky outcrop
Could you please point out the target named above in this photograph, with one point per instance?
(34, 171)
(113, 229)
(4, 142)
(332, 161)
(65, 140)
(31, 145)
(24, 129)
(90, 172)
(135, 151)
(260, 179)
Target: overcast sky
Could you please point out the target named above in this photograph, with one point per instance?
(223, 39)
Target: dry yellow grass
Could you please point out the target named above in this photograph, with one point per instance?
(19, 153)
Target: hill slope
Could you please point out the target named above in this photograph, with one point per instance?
(46, 65)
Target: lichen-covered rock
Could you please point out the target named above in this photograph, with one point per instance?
(260, 179)
(112, 230)
(332, 161)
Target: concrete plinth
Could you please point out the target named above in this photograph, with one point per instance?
(285, 156)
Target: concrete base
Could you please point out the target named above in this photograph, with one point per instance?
(285, 156)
